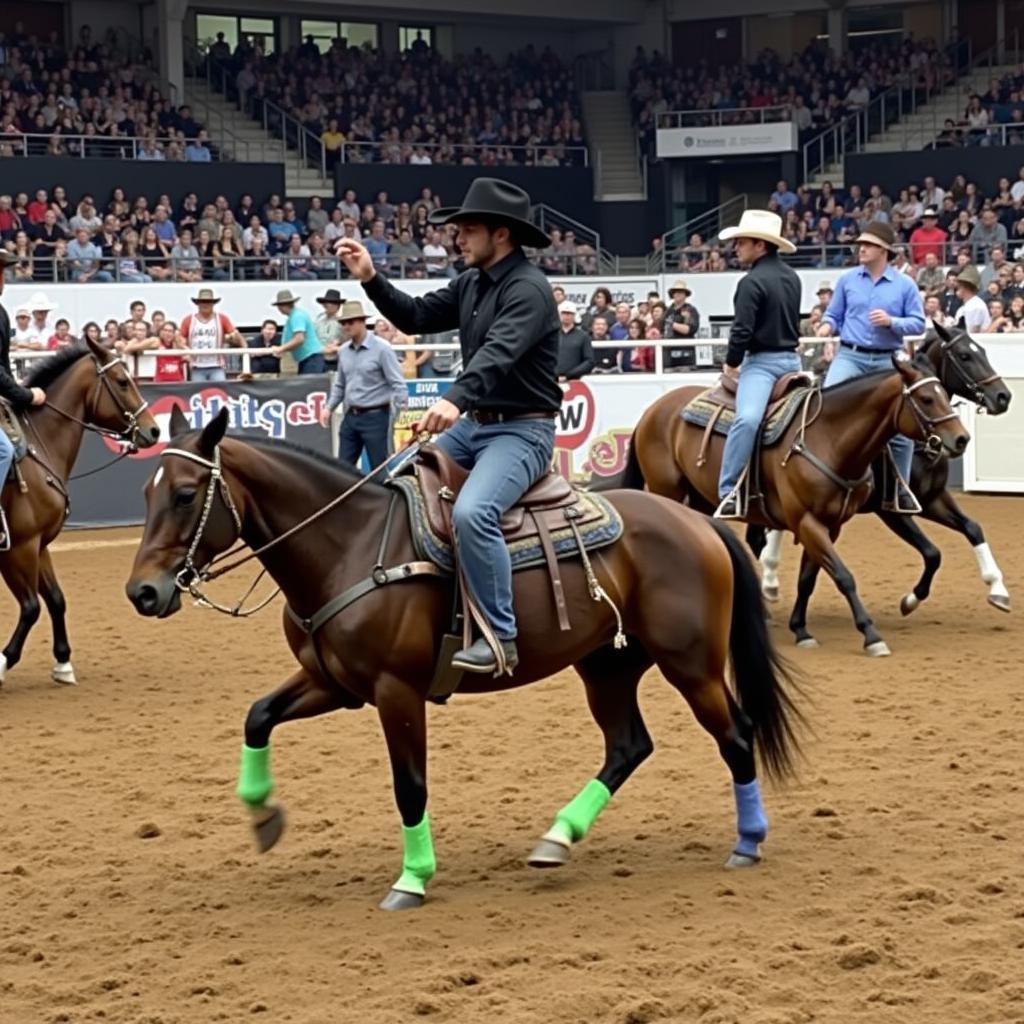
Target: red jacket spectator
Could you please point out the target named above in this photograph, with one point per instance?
(929, 237)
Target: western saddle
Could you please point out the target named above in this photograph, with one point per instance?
(724, 393)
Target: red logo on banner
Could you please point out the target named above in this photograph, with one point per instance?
(576, 417)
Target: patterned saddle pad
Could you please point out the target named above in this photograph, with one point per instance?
(600, 525)
(700, 412)
(11, 425)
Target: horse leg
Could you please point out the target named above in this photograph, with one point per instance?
(403, 718)
(611, 678)
(302, 696)
(908, 530)
(804, 588)
(946, 512)
(20, 570)
(769, 557)
(818, 544)
(53, 597)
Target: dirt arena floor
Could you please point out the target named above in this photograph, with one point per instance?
(892, 889)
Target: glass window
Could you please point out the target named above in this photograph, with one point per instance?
(408, 35)
(355, 33)
(261, 31)
(208, 25)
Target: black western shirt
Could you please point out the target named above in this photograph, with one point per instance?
(767, 310)
(508, 330)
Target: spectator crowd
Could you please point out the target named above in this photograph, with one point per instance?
(416, 107)
(88, 100)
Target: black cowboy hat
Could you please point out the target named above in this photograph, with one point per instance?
(331, 295)
(494, 199)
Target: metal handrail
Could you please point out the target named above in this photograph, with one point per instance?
(129, 147)
(853, 132)
(706, 224)
(463, 148)
(546, 217)
(716, 117)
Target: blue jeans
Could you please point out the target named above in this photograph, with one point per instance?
(849, 364)
(504, 460)
(209, 373)
(313, 364)
(369, 430)
(758, 375)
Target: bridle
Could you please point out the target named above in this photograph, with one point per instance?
(190, 576)
(927, 424)
(130, 434)
(967, 382)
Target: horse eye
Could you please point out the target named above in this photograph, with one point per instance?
(184, 497)
(965, 357)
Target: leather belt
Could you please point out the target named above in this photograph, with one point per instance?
(488, 416)
(359, 410)
(867, 349)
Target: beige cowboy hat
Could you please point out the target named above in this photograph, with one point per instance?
(762, 224)
(285, 298)
(825, 286)
(678, 285)
(41, 302)
(206, 295)
(970, 277)
(353, 310)
(878, 233)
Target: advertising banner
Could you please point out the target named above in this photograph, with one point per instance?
(728, 140)
(592, 429)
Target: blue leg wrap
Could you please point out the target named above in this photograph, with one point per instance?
(751, 821)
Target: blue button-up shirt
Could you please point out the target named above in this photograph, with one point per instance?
(368, 375)
(856, 295)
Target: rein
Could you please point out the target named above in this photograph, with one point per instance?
(927, 426)
(191, 576)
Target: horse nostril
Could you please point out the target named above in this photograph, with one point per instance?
(1003, 401)
(961, 443)
(145, 599)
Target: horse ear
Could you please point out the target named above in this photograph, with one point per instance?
(904, 364)
(213, 433)
(99, 351)
(179, 422)
(941, 331)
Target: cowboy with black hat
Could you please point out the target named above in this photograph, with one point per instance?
(874, 308)
(328, 329)
(20, 397)
(497, 419)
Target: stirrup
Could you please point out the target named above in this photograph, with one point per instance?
(904, 503)
(5, 532)
(731, 506)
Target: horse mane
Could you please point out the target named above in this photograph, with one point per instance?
(46, 371)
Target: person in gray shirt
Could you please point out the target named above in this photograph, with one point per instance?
(369, 386)
(985, 234)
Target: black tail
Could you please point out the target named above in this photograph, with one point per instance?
(762, 676)
(631, 478)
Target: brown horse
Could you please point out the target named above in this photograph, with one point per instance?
(817, 475)
(87, 388)
(962, 365)
(686, 587)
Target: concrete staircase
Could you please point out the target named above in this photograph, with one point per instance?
(915, 131)
(611, 139)
(246, 140)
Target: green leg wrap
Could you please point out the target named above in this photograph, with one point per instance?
(254, 781)
(419, 863)
(573, 821)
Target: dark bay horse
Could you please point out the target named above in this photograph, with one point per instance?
(965, 371)
(686, 587)
(816, 477)
(87, 387)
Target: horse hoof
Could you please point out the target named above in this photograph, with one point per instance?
(908, 603)
(741, 860)
(879, 649)
(398, 900)
(64, 673)
(770, 593)
(807, 643)
(267, 825)
(1000, 601)
(549, 854)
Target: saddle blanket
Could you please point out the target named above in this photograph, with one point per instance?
(700, 411)
(10, 424)
(603, 529)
